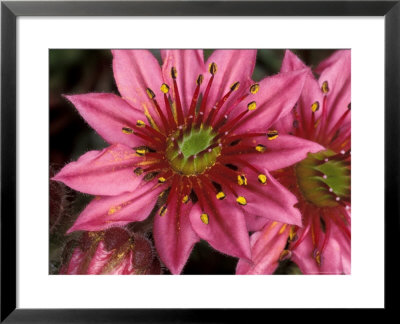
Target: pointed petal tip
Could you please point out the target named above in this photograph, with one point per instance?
(72, 98)
(59, 177)
(298, 222)
(56, 178)
(176, 270)
(246, 254)
(72, 229)
(67, 96)
(288, 52)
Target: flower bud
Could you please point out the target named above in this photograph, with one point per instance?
(113, 251)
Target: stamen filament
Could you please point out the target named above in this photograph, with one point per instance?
(327, 233)
(335, 128)
(229, 110)
(214, 112)
(323, 118)
(231, 125)
(171, 119)
(192, 109)
(179, 111)
(156, 166)
(230, 139)
(151, 131)
(161, 114)
(205, 97)
(157, 143)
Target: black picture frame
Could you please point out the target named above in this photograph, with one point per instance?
(9, 13)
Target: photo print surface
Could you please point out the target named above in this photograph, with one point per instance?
(200, 161)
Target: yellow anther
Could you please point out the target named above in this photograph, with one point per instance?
(185, 199)
(272, 134)
(292, 233)
(92, 234)
(150, 93)
(325, 87)
(127, 130)
(163, 210)
(318, 257)
(140, 123)
(164, 88)
(242, 180)
(174, 72)
(235, 86)
(141, 151)
(315, 106)
(220, 195)
(260, 148)
(285, 254)
(161, 179)
(138, 171)
(254, 88)
(282, 228)
(212, 68)
(204, 218)
(262, 178)
(252, 105)
(149, 176)
(113, 210)
(200, 79)
(241, 201)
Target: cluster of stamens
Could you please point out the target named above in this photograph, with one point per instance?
(197, 154)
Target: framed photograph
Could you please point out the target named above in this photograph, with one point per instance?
(187, 155)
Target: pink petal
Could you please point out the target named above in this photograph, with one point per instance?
(266, 248)
(270, 200)
(226, 229)
(232, 66)
(281, 152)
(334, 260)
(277, 96)
(291, 62)
(173, 235)
(255, 223)
(104, 212)
(108, 114)
(286, 124)
(105, 172)
(336, 70)
(134, 72)
(189, 65)
(311, 94)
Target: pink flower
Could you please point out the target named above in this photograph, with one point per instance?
(203, 146)
(321, 182)
(112, 252)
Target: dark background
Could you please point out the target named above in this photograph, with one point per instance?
(81, 71)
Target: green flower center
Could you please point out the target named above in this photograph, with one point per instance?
(192, 151)
(324, 178)
(196, 141)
